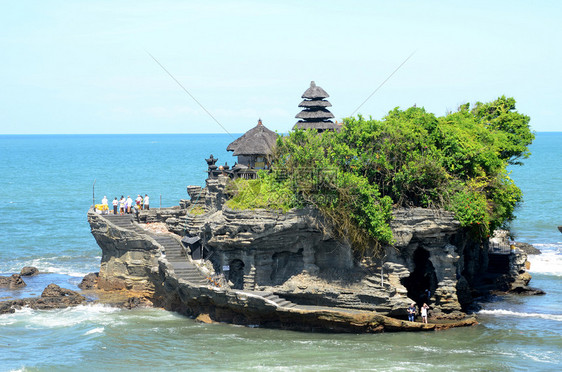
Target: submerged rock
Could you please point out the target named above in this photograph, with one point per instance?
(90, 281)
(12, 282)
(29, 271)
(53, 297)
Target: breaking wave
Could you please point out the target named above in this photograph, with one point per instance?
(502, 312)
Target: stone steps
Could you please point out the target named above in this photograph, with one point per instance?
(124, 221)
(280, 301)
(183, 269)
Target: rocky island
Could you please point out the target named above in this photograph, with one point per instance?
(307, 233)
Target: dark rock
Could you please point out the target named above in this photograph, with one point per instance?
(53, 297)
(526, 290)
(133, 302)
(527, 248)
(29, 271)
(90, 281)
(12, 282)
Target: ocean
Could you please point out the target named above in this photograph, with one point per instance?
(48, 182)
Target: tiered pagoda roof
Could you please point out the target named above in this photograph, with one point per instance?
(315, 115)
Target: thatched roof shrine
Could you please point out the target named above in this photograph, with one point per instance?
(315, 115)
(316, 103)
(315, 92)
(257, 141)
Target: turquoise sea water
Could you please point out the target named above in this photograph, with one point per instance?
(46, 189)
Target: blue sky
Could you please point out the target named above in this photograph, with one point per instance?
(83, 67)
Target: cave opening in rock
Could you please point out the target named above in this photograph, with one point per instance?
(286, 264)
(422, 278)
(236, 274)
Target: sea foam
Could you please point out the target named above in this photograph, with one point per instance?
(502, 312)
(549, 261)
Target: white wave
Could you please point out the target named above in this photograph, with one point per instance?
(68, 317)
(502, 312)
(54, 265)
(549, 262)
(63, 270)
(95, 330)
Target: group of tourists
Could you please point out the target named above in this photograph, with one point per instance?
(423, 312)
(426, 296)
(126, 206)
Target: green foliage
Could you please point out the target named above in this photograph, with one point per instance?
(409, 158)
(260, 193)
(196, 211)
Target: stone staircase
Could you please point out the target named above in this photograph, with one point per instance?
(172, 249)
(124, 221)
(279, 301)
(250, 280)
(184, 269)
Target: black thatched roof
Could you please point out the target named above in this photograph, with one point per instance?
(318, 125)
(315, 103)
(315, 92)
(314, 114)
(257, 141)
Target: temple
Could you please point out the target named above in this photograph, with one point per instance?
(315, 115)
(253, 149)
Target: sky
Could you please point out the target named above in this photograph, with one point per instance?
(84, 67)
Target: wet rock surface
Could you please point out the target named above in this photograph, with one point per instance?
(527, 248)
(29, 271)
(14, 281)
(90, 281)
(53, 297)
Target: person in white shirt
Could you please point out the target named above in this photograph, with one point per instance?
(424, 313)
(146, 205)
(122, 205)
(105, 208)
(129, 204)
(115, 202)
(138, 201)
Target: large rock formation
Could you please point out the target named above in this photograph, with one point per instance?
(293, 259)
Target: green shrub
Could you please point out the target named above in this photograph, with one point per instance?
(409, 158)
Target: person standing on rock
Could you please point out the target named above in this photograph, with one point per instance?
(122, 205)
(129, 204)
(115, 202)
(146, 204)
(424, 309)
(412, 312)
(104, 207)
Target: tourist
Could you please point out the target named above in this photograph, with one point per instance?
(115, 203)
(424, 312)
(412, 312)
(146, 205)
(122, 205)
(138, 201)
(129, 204)
(104, 207)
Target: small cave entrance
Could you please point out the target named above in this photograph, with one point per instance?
(422, 278)
(286, 264)
(236, 274)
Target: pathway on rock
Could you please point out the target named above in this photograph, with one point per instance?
(172, 249)
(184, 269)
